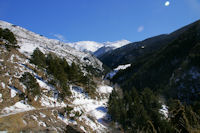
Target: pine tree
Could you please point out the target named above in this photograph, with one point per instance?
(38, 58)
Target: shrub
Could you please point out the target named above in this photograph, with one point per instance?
(31, 84)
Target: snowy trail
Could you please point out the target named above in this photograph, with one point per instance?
(37, 109)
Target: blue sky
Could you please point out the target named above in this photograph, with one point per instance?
(100, 20)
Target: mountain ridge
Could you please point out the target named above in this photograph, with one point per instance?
(28, 41)
(136, 50)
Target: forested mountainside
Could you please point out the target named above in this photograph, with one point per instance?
(134, 51)
(161, 90)
(46, 86)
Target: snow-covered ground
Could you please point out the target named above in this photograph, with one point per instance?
(3, 85)
(114, 72)
(90, 108)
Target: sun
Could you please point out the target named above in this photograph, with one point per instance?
(167, 3)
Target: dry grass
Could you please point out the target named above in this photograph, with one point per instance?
(7, 67)
(13, 123)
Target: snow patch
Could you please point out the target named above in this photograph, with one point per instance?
(36, 98)
(12, 57)
(14, 91)
(1, 99)
(3, 85)
(122, 67)
(83, 129)
(51, 102)
(41, 123)
(34, 117)
(3, 131)
(42, 115)
(62, 118)
(17, 107)
(43, 84)
(164, 111)
(114, 72)
(25, 123)
(105, 89)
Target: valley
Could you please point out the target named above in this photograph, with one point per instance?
(149, 86)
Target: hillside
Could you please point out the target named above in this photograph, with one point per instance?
(47, 86)
(162, 86)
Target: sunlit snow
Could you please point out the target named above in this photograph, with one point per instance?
(91, 46)
(1, 100)
(17, 107)
(164, 110)
(114, 72)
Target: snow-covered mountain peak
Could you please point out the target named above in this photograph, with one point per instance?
(86, 46)
(116, 44)
(92, 46)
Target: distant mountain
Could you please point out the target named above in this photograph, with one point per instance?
(133, 51)
(109, 46)
(97, 48)
(86, 46)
